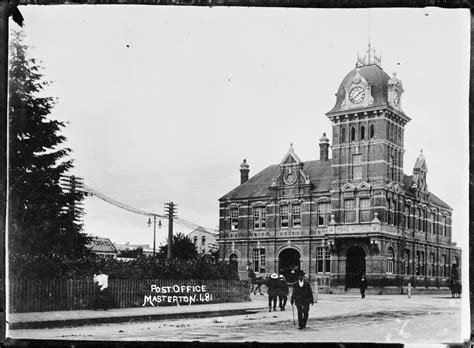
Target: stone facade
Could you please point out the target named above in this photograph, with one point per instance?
(357, 212)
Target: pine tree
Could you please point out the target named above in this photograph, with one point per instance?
(44, 219)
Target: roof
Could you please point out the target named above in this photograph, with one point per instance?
(320, 173)
(408, 181)
(201, 229)
(101, 245)
(375, 76)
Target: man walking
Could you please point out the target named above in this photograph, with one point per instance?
(302, 296)
(363, 286)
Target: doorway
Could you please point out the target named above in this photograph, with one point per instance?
(355, 266)
(289, 263)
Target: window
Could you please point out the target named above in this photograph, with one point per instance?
(296, 215)
(259, 218)
(362, 133)
(422, 263)
(324, 214)
(353, 134)
(234, 219)
(417, 263)
(418, 227)
(349, 210)
(343, 135)
(323, 257)
(407, 216)
(390, 260)
(406, 261)
(284, 216)
(389, 212)
(203, 240)
(431, 265)
(357, 166)
(443, 226)
(432, 223)
(444, 266)
(391, 167)
(364, 213)
(259, 260)
(195, 240)
(372, 131)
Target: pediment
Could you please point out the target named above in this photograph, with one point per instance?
(348, 187)
(364, 186)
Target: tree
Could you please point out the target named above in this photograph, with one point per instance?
(183, 248)
(44, 219)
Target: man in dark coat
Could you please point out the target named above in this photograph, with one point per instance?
(272, 285)
(363, 286)
(302, 296)
(282, 292)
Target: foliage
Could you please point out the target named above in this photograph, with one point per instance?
(182, 248)
(130, 253)
(44, 219)
(141, 268)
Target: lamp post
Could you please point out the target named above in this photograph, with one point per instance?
(154, 231)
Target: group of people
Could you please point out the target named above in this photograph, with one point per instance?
(277, 287)
(302, 294)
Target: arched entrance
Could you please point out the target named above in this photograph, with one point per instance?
(288, 261)
(355, 266)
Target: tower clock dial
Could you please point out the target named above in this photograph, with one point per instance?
(356, 95)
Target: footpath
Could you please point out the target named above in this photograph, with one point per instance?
(40, 320)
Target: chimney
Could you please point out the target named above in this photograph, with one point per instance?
(244, 172)
(324, 148)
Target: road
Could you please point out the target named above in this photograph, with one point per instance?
(383, 318)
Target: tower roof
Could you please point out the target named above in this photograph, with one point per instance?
(377, 79)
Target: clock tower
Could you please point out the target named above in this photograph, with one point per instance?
(368, 130)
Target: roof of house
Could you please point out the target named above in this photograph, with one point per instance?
(320, 173)
(258, 186)
(201, 229)
(101, 245)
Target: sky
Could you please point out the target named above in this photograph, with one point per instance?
(163, 103)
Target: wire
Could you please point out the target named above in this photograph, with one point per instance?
(180, 221)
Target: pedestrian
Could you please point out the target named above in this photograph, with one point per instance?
(363, 285)
(102, 296)
(302, 296)
(257, 283)
(282, 292)
(272, 285)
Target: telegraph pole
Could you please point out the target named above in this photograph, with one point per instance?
(170, 209)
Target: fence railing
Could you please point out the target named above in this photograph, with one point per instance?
(38, 295)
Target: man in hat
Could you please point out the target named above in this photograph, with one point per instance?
(272, 285)
(302, 296)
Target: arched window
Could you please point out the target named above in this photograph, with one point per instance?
(343, 135)
(362, 133)
(390, 260)
(353, 134)
(372, 131)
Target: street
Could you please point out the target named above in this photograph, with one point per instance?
(347, 318)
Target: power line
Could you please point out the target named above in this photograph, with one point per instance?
(94, 193)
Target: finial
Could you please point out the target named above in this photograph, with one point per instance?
(291, 145)
(421, 151)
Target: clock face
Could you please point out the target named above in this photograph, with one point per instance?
(290, 178)
(356, 95)
(396, 98)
